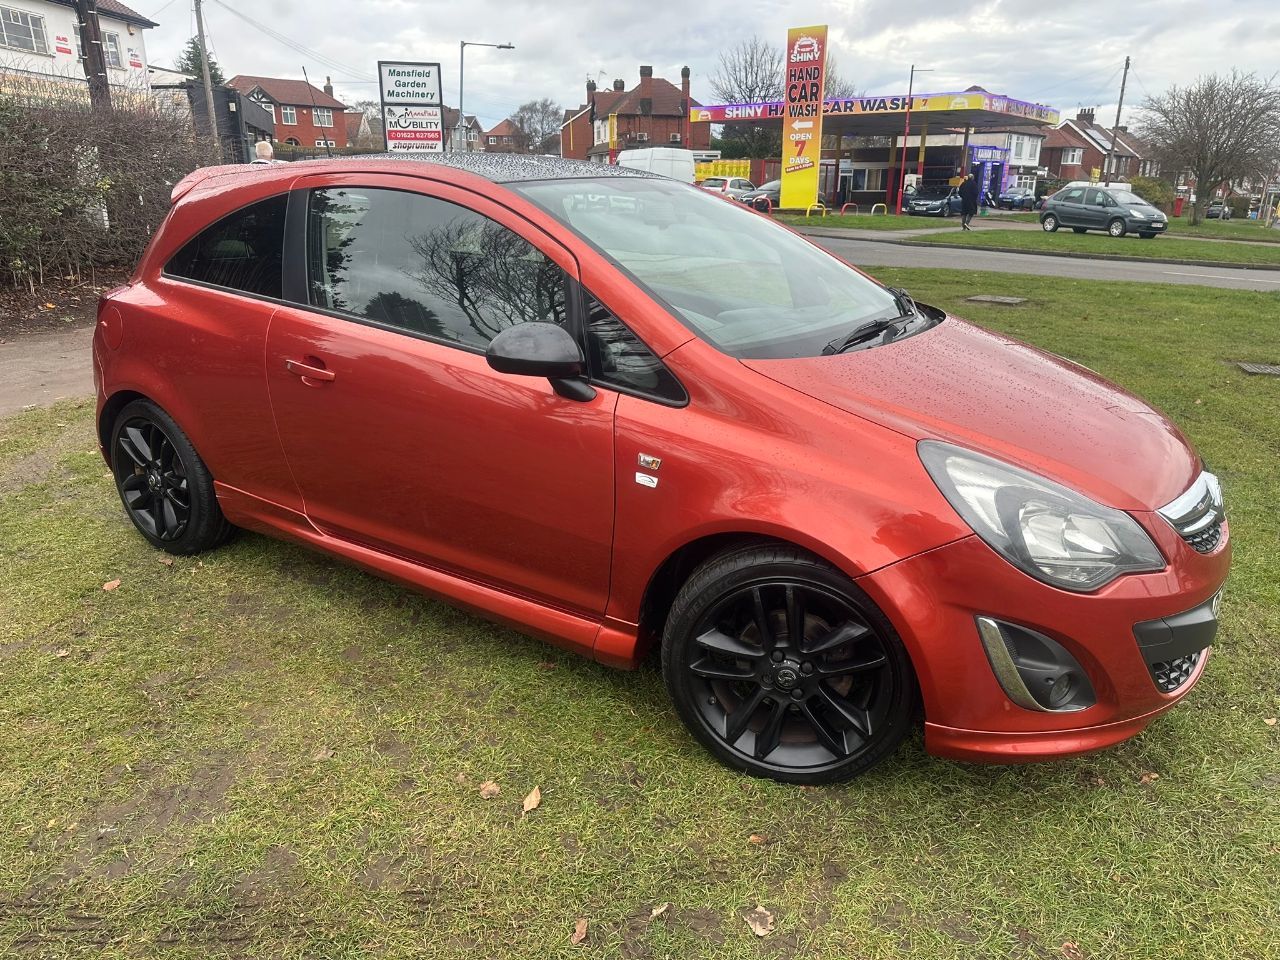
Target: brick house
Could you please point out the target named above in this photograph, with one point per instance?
(1079, 146)
(474, 133)
(41, 38)
(654, 113)
(503, 138)
(304, 116)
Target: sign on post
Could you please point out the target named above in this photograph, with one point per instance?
(412, 114)
(804, 75)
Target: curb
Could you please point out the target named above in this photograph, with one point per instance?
(1062, 254)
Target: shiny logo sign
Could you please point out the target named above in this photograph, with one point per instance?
(803, 79)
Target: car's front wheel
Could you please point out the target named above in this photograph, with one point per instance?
(1049, 223)
(1147, 236)
(783, 668)
(165, 487)
(1116, 228)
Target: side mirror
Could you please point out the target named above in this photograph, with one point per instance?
(541, 350)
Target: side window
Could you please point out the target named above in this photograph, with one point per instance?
(1093, 198)
(1073, 196)
(243, 251)
(618, 358)
(426, 266)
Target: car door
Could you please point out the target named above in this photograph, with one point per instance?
(400, 435)
(1069, 207)
(1094, 211)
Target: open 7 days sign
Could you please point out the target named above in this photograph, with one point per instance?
(411, 109)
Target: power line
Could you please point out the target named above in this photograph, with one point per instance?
(336, 65)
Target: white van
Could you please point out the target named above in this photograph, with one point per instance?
(672, 162)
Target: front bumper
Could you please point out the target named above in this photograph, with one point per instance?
(934, 600)
(1134, 225)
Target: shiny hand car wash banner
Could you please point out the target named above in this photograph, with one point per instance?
(804, 75)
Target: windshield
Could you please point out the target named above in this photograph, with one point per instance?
(735, 278)
(932, 193)
(1125, 197)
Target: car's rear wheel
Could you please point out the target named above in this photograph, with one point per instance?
(1049, 223)
(1116, 228)
(784, 669)
(165, 487)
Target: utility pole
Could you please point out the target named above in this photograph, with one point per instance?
(94, 62)
(906, 132)
(1111, 149)
(208, 82)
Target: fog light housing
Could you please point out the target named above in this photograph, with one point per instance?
(1036, 672)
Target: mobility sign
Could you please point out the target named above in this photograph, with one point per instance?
(804, 75)
(412, 120)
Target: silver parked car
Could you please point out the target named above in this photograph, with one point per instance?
(735, 187)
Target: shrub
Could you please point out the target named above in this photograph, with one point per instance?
(84, 189)
(1157, 192)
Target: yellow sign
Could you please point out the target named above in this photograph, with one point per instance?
(1095, 174)
(804, 74)
(722, 168)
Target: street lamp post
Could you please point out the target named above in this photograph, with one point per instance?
(460, 135)
(906, 132)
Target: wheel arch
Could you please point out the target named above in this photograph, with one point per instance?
(111, 408)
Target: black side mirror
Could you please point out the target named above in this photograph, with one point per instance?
(541, 350)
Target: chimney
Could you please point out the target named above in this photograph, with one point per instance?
(684, 83)
(591, 97)
(1085, 116)
(328, 86)
(619, 86)
(646, 90)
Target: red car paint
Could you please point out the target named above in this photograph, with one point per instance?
(419, 462)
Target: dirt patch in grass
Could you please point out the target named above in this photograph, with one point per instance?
(56, 305)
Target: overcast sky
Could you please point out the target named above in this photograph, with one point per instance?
(1065, 54)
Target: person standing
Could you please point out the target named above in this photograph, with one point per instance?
(263, 153)
(968, 201)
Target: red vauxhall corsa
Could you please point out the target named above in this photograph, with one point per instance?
(614, 411)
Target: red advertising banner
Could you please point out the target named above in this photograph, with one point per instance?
(804, 76)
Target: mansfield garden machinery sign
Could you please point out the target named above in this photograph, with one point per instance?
(412, 118)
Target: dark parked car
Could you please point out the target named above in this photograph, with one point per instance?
(1094, 208)
(934, 202)
(1218, 211)
(1017, 198)
(772, 191)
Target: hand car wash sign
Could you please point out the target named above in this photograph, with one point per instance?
(805, 73)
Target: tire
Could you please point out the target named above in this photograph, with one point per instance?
(1116, 228)
(801, 712)
(947, 211)
(1079, 230)
(1049, 223)
(165, 487)
(1147, 236)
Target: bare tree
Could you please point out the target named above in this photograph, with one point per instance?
(835, 85)
(538, 126)
(751, 72)
(1219, 128)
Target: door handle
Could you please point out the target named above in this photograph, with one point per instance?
(312, 376)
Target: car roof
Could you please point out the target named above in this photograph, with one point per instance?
(494, 167)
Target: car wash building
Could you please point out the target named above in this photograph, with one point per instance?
(867, 154)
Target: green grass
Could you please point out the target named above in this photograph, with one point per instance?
(167, 787)
(1253, 230)
(864, 221)
(1099, 244)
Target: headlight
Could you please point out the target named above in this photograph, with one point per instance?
(1052, 533)
(1137, 214)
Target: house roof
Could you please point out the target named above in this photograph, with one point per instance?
(449, 117)
(1064, 136)
(354, 121)
(296, 93)
(113, 8)
(666, 98)
(504, 129)
(1100, 136)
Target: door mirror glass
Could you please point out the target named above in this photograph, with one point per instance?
(536, 350)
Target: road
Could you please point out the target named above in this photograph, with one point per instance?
(870, 253)
(38, 368)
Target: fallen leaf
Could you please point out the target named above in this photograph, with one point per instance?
(532, 800)
(760, 921)
(111, 585)
(659, 910)
(52, 823)
(62, 652)
(461, 778)
(757, 839)
(1147, 778)
(51, 306)
(579, 931)
(167, 561)
(1072, 951)
(324, 753)
(489, 790)
(1270, 721)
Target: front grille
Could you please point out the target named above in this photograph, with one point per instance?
(1169, 675)
(1198, 514)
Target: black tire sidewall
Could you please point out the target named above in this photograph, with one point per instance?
(206, 526)
(729, 572)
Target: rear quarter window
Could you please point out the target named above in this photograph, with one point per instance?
(243, 251)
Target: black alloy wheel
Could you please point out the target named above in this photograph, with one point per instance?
(164, 485)
(784, 669)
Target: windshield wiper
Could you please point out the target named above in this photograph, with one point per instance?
(864, 331)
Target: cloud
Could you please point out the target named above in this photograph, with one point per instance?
(1065, 55)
